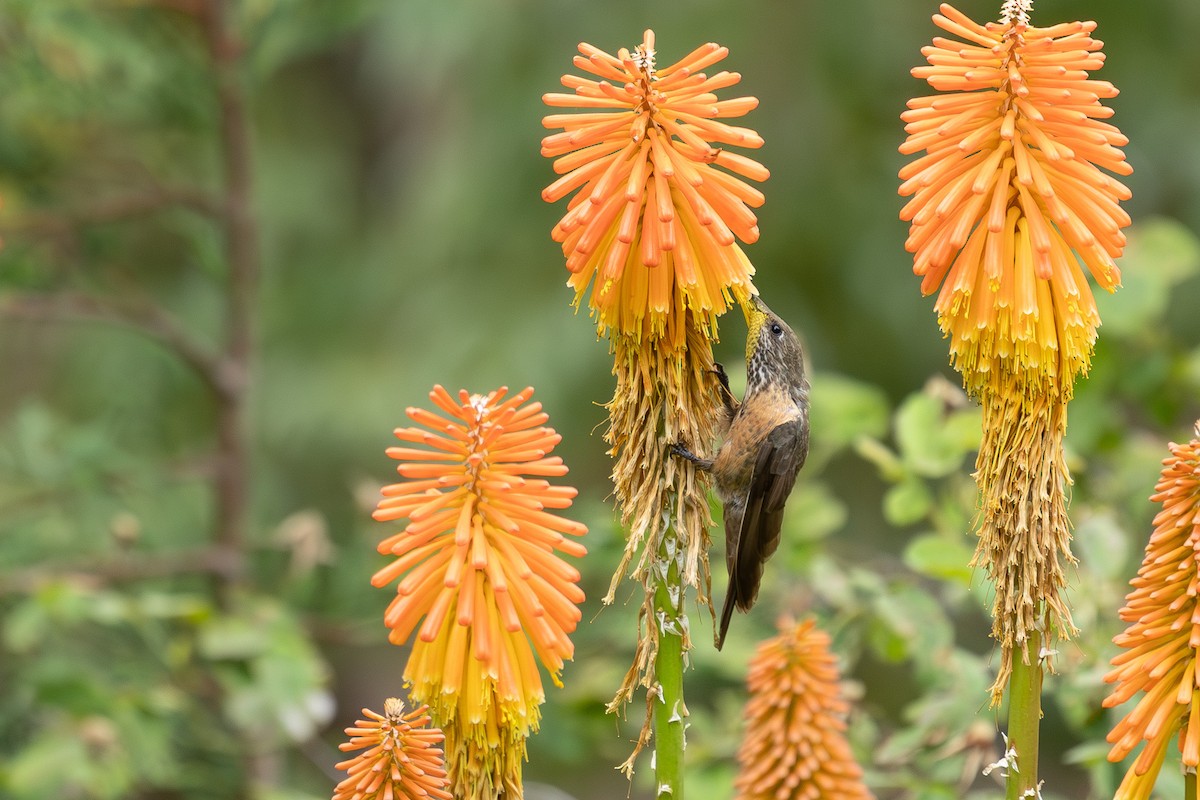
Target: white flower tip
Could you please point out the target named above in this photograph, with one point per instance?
(1016, 12)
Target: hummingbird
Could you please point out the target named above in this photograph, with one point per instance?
(766, 444)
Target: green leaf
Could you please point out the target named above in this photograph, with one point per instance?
(814, 512)
(25, 626)
(870, 449)
(47, 767)
(1161, 254)
(907, 502)
(275, 678)
(175, 605)
(61, 685)
(1191, 366)
(934, 441)
(964, 428)
(940, 557)
(908, 623)
(231, 637)
(830, 582)
(843, 409)
(292, 678)
(1101, 544)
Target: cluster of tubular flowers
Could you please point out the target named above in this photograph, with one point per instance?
(1160, 645)
(483, 585)
(652, 228)
(1009, 198)
(795, 744)
(1010, 192)
(401, 759)
(653, 224)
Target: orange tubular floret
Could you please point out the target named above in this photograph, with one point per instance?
(667, 177)
(703, 56)
(1016, 125)
(479, 567)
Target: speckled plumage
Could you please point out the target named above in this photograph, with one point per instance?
(755, 469)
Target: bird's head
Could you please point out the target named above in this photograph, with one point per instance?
(773, 352)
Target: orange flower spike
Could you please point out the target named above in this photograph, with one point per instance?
(1018, 126)
(657, 209)
(642, 163)
(1159, 655)
(481, 581)
(795, 744)
(400, 758)
(1008, 194)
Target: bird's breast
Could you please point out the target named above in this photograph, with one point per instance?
(758, 415)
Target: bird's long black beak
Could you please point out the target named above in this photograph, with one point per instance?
(754, 303)
(757, 304)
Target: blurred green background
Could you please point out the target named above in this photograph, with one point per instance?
(395, 192)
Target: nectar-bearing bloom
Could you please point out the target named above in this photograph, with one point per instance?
(1159, 659)
(400, 758)
(1010, 195)
(659, 204)
(1011, 209)
(481, 581)
(795, 743)
(659, 207)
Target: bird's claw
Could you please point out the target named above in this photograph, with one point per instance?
(727, 398)
(680, 449)
(719, 370)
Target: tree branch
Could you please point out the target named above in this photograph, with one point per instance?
(149, 321)
(210, 561)
(243, 261)
(116, 209)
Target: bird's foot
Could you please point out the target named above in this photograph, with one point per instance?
(727, 397)
(719, 370)
(681, 450)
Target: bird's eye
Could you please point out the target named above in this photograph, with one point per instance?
(777, 329)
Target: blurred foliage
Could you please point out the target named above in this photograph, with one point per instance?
(396, 195)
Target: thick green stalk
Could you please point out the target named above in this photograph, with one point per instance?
(670, 712)
(1189, 785)
(1024, 719)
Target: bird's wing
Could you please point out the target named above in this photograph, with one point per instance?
(752, 537)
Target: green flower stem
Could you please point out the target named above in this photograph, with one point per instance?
(1024, 719)
(1189, 785)
(670, 712)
